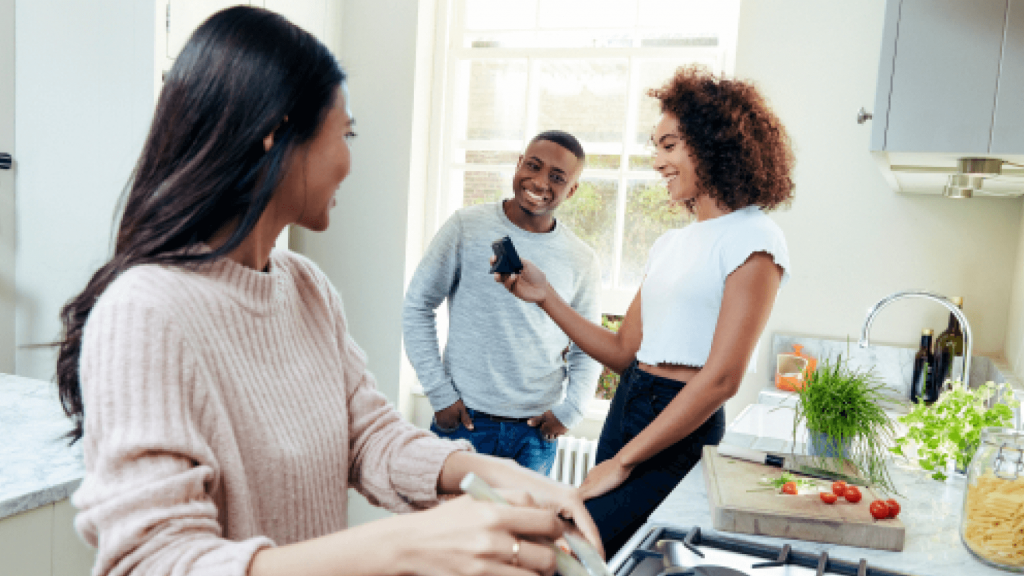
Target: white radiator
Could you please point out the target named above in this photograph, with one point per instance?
(575, 457)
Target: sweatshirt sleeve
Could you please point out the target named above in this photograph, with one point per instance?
(583, 370)
(144, 502)
(392, 463)
(435, 279)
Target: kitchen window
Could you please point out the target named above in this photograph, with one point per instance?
(506, 70)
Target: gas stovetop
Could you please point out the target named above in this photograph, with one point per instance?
(689, 552)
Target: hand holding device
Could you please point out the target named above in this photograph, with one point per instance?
(506, 258)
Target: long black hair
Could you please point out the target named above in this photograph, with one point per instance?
(244, 74)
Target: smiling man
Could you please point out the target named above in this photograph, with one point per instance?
(510, 380)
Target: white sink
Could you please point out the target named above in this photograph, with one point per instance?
(770, 424)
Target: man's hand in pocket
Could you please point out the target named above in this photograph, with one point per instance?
(550, 427)
(450, 417)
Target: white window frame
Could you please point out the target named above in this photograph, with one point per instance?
(443, 197)
(439, 201)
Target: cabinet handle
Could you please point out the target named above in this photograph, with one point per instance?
(863, 115)
(5, 161)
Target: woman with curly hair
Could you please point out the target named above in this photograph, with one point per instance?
(708, 290)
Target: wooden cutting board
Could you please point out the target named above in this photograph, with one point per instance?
(734, 508)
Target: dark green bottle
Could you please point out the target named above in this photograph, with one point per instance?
(949, 350)
(924, 362)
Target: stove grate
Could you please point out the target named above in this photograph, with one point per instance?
(774, 555)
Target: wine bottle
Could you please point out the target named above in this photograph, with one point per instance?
(924, 361)
(949, 350)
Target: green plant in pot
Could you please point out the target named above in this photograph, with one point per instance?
(945, 434)
(843, 411)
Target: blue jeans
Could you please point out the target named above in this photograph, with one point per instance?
(638, 400)
(515, 440)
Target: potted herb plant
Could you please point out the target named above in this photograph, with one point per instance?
(842, 409)
(945, 434)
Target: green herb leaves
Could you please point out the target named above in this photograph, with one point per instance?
(846, 405)
(948, 431)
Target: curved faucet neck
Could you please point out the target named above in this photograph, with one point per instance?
(953, 308)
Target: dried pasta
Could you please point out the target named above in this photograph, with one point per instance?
(993, 524)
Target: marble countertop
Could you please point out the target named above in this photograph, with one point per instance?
(37, 467)
(931, 514)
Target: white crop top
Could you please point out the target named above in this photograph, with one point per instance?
(685, 279)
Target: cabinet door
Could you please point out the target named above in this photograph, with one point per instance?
(944, 75)
(1008, 120)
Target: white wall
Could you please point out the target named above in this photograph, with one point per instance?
(7, 281)
(1015, 333)
(852, 240)
(363, 251)
(85, 92)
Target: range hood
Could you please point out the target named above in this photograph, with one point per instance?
(963, 175)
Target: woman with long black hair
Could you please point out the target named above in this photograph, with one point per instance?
(223, 407)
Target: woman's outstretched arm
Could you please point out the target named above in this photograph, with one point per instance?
(615, 350)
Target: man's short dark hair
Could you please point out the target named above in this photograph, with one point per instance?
(565, 140)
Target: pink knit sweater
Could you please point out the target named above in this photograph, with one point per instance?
(228, 410)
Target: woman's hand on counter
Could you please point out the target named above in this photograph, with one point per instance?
(604, 478)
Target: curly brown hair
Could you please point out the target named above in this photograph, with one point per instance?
(741, 151)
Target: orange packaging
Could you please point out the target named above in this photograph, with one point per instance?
(792, 370)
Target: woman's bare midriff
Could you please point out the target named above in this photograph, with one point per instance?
(671, 371)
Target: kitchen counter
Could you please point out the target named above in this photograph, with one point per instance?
(37, 467)
(931, 513)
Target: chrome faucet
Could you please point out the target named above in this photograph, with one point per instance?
(965, 368)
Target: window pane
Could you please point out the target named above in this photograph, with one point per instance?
(479, 186)
(641, 162)
(587, 13)
(491, 157)
(496, 99)
(590, 214)
(648, 216)
(603, 161)
(615, 38)
(500, 14)
(690, 17)
(653, 74)
(586, 98)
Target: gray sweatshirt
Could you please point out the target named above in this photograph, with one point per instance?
(503, 356)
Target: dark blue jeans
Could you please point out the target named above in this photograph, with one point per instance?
(515, 440)
(638, 400)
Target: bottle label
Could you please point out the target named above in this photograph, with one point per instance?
(955, 368)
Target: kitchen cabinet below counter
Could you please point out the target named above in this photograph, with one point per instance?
(38, 472)
(931, 513)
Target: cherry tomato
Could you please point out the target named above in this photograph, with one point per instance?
(828, 497)
(789, 488)
(852, 494)
(839, 488)
(894, 507)
(879, 509)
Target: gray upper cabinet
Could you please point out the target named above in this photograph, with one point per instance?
(939, 76)
(1008, 123)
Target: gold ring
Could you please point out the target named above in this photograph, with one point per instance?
(515, 551)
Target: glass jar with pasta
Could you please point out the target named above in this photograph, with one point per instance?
(992, 523)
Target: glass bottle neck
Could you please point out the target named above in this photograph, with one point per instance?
(954, 324)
